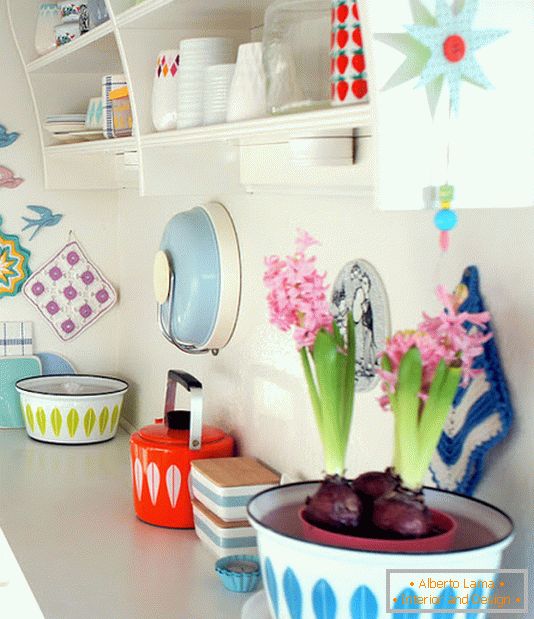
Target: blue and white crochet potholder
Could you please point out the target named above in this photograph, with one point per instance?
(482, 412)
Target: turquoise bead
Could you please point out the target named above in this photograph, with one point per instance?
(446, 220)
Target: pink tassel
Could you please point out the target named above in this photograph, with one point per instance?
(444, 240)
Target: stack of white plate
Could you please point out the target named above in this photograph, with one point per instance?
(61, 123)
(195, 56)
(217, 82)
(70, 128)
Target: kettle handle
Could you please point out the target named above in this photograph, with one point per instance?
(194, 386)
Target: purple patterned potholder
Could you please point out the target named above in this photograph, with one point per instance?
(70, 292)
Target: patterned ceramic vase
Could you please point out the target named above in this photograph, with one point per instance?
(347, 56)
(165, 90)
(48, 18)
(248, 98)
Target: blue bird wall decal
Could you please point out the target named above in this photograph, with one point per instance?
(46, 220)
(6, 139)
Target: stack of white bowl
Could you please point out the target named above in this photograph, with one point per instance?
(195, 56)
(217, 82)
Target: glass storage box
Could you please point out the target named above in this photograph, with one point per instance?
(297, 55)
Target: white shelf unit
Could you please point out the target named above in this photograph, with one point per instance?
(401, 148)
(64, 80)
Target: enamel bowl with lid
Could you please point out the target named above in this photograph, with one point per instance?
(71, 408)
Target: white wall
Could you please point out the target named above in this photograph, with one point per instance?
(255, 388)
(91, 215)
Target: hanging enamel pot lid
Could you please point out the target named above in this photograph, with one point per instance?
(197, 279)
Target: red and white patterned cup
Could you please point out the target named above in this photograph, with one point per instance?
(347, 56)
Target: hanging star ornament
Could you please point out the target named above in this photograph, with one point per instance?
(441, 47)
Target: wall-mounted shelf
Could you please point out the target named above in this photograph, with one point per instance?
(270, 129)
(114, 146)
(401, 148)
(87, 54)
(135, 15)
(64, 80)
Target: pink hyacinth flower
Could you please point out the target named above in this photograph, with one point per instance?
(297, 293)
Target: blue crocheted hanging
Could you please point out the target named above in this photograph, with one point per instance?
(482, 412)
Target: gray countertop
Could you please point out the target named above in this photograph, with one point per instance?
(68, 515)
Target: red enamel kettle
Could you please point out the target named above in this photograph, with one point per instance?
(161, 456)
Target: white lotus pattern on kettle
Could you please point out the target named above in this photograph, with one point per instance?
(138, 475)
(174, 480)
(153, 479)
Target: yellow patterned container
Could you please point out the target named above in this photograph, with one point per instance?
(122, 112)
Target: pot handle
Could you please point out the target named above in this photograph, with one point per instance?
(194, 386)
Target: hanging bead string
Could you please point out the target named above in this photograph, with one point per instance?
(446, 219)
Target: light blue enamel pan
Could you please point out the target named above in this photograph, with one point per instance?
(202, 257)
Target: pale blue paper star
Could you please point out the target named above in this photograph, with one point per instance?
(424, 47)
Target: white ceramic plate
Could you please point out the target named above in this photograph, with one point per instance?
(79, 136)
(64, 127)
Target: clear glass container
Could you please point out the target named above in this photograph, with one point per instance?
(296, 53)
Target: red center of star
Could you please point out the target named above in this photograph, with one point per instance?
(454, 48)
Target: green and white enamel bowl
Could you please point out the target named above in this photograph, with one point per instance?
(73, 408)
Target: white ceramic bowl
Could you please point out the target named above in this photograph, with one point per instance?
(203, 43)
(301, 575)
(72, 408)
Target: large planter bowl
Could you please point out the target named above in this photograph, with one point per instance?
(72, 408)
(308, 580)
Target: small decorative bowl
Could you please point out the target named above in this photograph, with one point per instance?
(65, 33)
(239, 573)
(70, 11)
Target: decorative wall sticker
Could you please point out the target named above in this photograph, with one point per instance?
(70, 292)
(482, 412)
(6, 139)
(46, 219)
(359, 288)
(442, 46)
(8, 180)
(14, 267)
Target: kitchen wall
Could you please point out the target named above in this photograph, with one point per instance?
(255, 388)
(91, 215)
